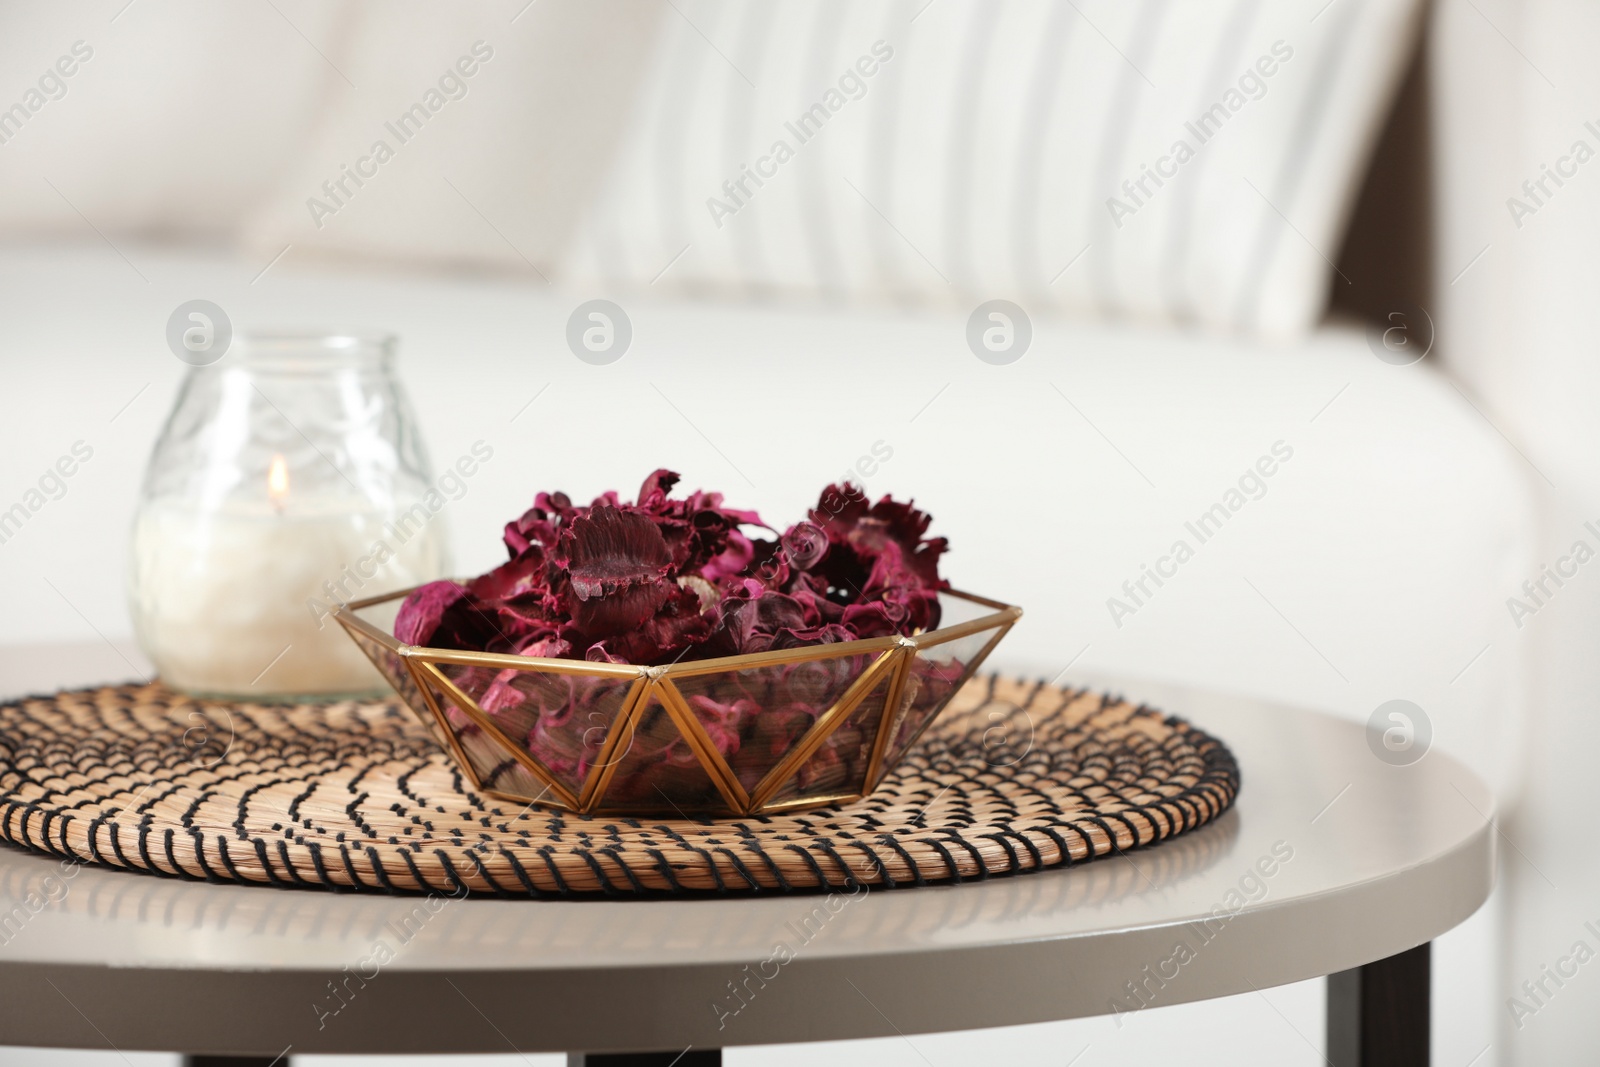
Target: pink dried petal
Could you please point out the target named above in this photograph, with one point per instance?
(502, 694)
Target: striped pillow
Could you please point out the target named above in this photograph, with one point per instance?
(1189, 161)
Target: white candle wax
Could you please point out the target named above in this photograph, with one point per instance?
(235, 600)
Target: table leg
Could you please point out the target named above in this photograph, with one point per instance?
(1378, 1014)
(692, 1057)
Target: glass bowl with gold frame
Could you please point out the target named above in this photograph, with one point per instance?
(739, 735)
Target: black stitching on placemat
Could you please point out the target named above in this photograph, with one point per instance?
(168, 835)
(754, 846)
(615, 853)
(1013, 864)
(1111, 835)
(294, 805)
(11, 809)
(45, 815)
(1061, 845)
(350, 867)
(850, 881)
(266, 863)
(94, 849)
(1033, 850)
(315, 849)
(599, 872)
(544, 853)
(227, 861)
(27, 834)
(877, 861)
(379, 871)
(423, 885)
(1192, 814)
(116, 843)
(889, 841)
(711, 861)
(459, 888)
(199, 839)
(66, 846)
(1133, 828)
(665, 867)
(811, 861)
(483, 871)
(738, 865)
(288, 864)
(977, 856)
(521, 872)
(950, 863)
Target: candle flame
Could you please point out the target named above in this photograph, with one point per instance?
(278, 480)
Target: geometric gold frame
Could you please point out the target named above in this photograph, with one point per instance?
(415, 673)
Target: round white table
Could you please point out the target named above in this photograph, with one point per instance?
(1332, 862)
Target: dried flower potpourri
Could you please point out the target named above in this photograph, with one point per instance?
(664, 580)
(682, 655)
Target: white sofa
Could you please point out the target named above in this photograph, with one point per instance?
(1361, 574)
(1372, 564)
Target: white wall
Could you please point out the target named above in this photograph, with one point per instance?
(1515, 83)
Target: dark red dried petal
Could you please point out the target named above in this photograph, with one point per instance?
(869, 620)
(838, 510)
(420, 613)
(804, 544)
(546, 648)
(444, 615)
(827, 634)
(516, 577)
(610, 550)
(653, 493)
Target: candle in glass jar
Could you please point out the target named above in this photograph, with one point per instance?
(234, 599)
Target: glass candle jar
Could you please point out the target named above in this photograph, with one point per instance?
(289, 478)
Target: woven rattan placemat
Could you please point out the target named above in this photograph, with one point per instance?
(1013, 777)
